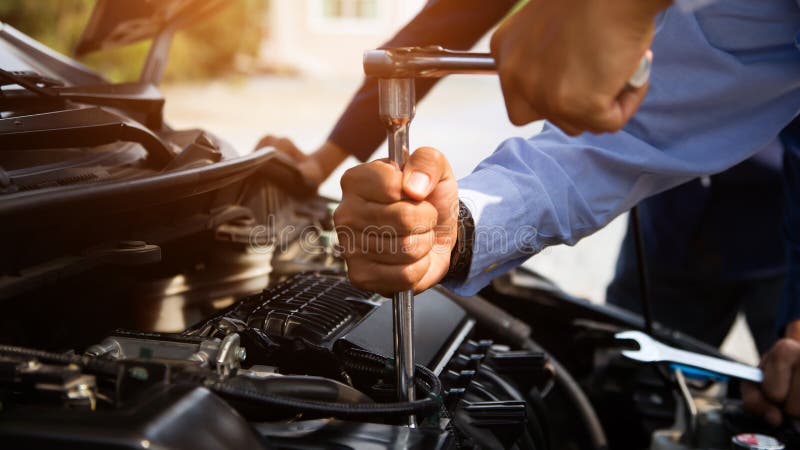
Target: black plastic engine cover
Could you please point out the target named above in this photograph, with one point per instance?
(437, 319)
(325, 312)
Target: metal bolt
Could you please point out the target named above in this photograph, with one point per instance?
(139, 373)
(241, 353)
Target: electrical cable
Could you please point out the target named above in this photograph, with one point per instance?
(644, 285)
(535, 431)
(91, 364)
(641, 264)
(364, 361)
(578, 398)
(419, 407)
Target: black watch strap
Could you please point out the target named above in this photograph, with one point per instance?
(461, 255)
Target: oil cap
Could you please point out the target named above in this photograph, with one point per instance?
(752, 441)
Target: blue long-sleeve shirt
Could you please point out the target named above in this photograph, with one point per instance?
(725, 82)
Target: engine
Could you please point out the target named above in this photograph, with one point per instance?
(311, 351)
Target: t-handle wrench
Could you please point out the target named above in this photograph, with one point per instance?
(396, 69)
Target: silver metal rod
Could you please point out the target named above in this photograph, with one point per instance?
(397, 101)
(436, 62)
(403, 311)
(425, 62)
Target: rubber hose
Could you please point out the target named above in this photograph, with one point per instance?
(358, 359)
(416, 407)
(495, 319)
(303, 387)
(573, 390)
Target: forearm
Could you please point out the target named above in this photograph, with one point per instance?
(534, 193)
(553, 189)
(330, 156)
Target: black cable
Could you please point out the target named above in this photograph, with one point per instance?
(537, 405)
(535, 431)
(573, 390)
(420, 407)
(644, 286)
(89, 363)
(364, 361)
(641, 264)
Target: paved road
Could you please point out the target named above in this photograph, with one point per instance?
(464, 117)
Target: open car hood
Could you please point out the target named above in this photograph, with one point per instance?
(114, 23)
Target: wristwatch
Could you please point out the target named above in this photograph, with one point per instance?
(461, 255)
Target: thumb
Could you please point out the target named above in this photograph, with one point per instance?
(426, 168)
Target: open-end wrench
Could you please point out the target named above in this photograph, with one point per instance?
(396, 69)
(651, 350)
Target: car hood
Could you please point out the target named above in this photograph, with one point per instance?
(114, 23)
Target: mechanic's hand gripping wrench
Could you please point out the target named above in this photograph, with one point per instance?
(651, 350)
(396, 69)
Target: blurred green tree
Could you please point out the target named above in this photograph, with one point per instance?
(208, 49)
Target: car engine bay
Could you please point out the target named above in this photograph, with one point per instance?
(160, 291)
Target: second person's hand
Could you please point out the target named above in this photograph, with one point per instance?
(779, 393)
(397, 228)
(568, 61)
(315, 167)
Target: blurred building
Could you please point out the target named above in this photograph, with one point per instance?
(328, 37)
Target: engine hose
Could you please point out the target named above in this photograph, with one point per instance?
(41, 355)
(573, 390)
(360, 366)
(91, 364)
(365, 356)
(361, 360)
(424, 406)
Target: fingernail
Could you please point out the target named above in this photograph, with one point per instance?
(418, 182)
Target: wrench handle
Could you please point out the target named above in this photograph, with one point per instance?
(397, 100)
(730, 369)
(437, 62)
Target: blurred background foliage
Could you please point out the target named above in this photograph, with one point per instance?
(218, 46)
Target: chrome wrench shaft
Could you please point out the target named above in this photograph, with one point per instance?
(397, 101)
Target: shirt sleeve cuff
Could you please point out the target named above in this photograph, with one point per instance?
(502, 240)
(692, 5)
